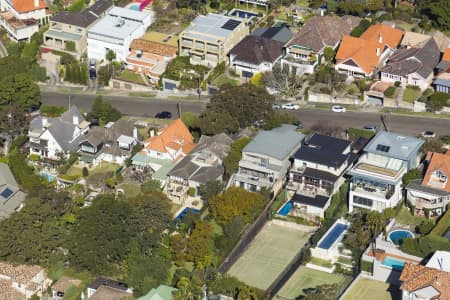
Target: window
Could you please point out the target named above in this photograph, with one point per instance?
(362, 201)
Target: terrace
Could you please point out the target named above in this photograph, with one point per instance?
(370, 187)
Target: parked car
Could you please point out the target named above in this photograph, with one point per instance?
(428, 134)
(163, 115)
(92, 73)
(370, 128)
(276, 106)
(290, 106)
(338, 108)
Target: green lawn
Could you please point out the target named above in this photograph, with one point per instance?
(442, 225)
(404, 217)
(268, 254)
(366, 289)
(131, 190)
(305, 278)
(321, 262)
(224, 79)
(130, 76)
(104, 167)
(410, 95)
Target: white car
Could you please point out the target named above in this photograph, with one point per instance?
(290, 106)
(337, 108)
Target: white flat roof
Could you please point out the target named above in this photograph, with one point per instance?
(128, 14)
(108, 27)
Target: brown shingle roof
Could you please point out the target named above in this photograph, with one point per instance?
(256, 50)
(64, 283)
(320, 32)
(7, 292)
(415, 277)
(19, 273)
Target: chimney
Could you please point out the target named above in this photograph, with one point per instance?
(36, 3)
(380, 38)
(44, 122)
(135, 133)
(378, 51)
(75, 119)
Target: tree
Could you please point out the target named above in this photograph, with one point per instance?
(432, 145)
(231, 161)
(210, 188)
(437, 101)
(279, 118)
(19, 90)
(283, 80)
(235, 202)
(213, 122)
(188, 289)
(200, 244)
(425, 227)
(246, 294)
(110, 55)
(85, 172)
(103, 111)
(361, 28)
(376, 223)
(189, 119)
(329, 54)
(436, 10)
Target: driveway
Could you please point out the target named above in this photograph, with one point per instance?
(50, 62)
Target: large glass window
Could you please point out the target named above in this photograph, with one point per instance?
(362, 201)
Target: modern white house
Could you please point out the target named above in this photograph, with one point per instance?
(51, 137)
(266, 159)
(376, 178)
(22, 18)
(115, 32)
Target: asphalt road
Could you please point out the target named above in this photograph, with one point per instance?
(148, 107)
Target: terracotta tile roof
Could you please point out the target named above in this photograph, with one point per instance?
(175, 136)
(8, 292)
(19, 273)
(24, 6)
(446, 56)
(437, 162)
(416, 277)
(363, 50)
(153, 47)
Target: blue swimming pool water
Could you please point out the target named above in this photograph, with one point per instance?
(242, 14)
(185, 211)
(284, 211)
(47, 176)
(332, 236)
(134, 7)
(397, 236)
(395, 264)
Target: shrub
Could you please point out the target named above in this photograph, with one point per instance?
(437, 101)
(191, 192)
(366, 266)
(34, 157)
(424, 246)
(150, 186)
(359, 30)
(397, 83)
(425, 227)
(390, 91)
(85, 172)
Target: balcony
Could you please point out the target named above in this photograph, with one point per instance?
(307, 189)
(175, 189)
(254, 180)
(373, 189)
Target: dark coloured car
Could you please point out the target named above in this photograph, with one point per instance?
(92, 74)
(164, 115)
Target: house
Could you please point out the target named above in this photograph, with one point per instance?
(106, 289)
(111, 143)
(151, 53)
(255, 54)
(432, 193)
(280, 34)
(162, 292)
(441, 82)
(208, 39)
(68, 30)
(18, 282)
(62, 285)
(203, 164)
(413, 65)
(305, 49)
(21, 18)
(165, 148)
(265, 160)
(10, 194)
(363, 56)
(316, 173)
(376, 178)
(264, 3)
(50, 137)
(115, 31)
(427, 282)
(414, 39)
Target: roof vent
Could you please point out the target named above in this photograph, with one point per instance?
(119, 22)
(400, 138)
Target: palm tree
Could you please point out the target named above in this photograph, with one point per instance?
(188, 289)
(375, 223)
(246, 294)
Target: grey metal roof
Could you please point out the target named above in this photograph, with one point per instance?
(277, 143)
(280, 34)
(400, 146)
(317, 201)
(211, 24)
(442, 81)
(64, 35)
(11, 197)
(257, 50)
(86, 17)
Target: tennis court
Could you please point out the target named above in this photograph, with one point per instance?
(305, 278)
(268, 254)
(367, 289)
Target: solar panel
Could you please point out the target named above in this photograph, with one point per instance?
(231, 24)
(383, 148)
(6, 193)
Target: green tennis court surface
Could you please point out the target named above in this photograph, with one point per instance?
(268, 254)
(305, 278)
(367, 289)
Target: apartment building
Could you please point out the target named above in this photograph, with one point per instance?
(68, 30)
(377, 176)
(208, 39)
(115, 32)
(266, 159)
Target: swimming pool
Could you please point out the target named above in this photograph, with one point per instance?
(185, 211)
(135, 7)
(284, 211)
(395, 264)
(49, 177)
(397, 236)
(243, 14)
(333, 235)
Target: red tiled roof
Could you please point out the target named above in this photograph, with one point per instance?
(416, 277)
(437, 162)
(24, 6)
